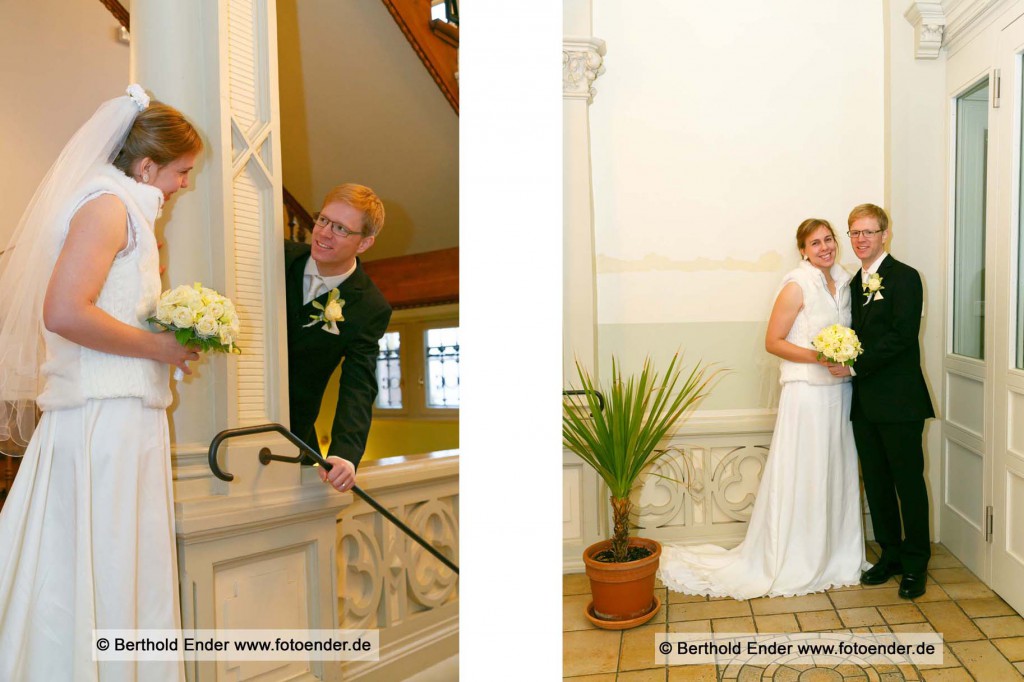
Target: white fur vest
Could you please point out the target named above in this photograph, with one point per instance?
(73, 373)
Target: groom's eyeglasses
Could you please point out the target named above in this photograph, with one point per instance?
(867, 233)
(338, 229)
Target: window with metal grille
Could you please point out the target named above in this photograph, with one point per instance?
(389, 372)
(443, 367)
(418, 373)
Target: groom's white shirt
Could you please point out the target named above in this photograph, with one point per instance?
(312, 275)
(864, 274)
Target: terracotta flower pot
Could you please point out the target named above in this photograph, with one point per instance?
(623, 592)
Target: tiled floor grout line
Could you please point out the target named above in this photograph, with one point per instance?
(961, 581)
(986, 638)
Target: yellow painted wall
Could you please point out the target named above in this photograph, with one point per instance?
(390, 436)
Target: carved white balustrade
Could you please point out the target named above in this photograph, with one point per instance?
(386, 581)
(703, 489)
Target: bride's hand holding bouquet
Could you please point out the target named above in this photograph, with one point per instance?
(838, 347)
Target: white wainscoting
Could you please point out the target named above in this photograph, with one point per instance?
(584, 504)
(388, 582)
(701, 491)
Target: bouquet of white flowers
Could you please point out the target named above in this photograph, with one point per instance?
(838, 344)
(200, 318)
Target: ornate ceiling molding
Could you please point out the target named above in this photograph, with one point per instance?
(950, 24)
(581, 65)
(929, 21)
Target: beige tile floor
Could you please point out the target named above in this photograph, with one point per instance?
(984, 637)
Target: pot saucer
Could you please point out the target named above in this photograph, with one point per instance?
(621, 624)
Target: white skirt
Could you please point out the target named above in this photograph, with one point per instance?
(805, 533)
(86, 542)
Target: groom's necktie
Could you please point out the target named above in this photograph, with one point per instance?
(317, 286)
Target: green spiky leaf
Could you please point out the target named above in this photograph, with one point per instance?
(620, 441)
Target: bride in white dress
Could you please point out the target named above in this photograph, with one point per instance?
(87, 532)
(805, 532)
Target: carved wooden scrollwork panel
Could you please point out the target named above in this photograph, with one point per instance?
(384, 576)
(362, 570)
(701, 489)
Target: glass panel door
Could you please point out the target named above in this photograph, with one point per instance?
(969, 225)
(966, 424)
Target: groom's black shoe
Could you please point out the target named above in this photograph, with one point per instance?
(880, 572)
(913, 584)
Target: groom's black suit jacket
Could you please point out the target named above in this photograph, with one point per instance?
(313, 355)
(889, 386)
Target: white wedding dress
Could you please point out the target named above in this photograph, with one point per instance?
(87, 533)
(805, 533)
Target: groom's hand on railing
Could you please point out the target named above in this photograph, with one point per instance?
(342, 474)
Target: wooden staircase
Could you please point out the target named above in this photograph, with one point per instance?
(436, 43)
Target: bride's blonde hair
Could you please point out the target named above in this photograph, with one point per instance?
(807, 227)
(161, 133)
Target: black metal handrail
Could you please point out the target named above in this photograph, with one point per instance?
(266, 457)
(600, 396)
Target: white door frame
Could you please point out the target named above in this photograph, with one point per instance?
(967, 397)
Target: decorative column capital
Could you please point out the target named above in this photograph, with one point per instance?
(581, 65)
(929, 21)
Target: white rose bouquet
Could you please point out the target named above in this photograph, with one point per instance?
(200, 318)
(838, 344)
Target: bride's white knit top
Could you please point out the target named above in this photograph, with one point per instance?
(820, 310)
(72, 373)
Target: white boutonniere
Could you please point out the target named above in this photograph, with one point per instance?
(330, 314)
(873, 288)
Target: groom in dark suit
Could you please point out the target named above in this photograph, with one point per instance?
(351, 315)
(890, 403)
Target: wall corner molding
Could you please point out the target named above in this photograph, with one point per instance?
(929, 22)
(582, 63)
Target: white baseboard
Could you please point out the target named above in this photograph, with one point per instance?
(408, 655)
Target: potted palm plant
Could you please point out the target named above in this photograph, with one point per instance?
(618, 440)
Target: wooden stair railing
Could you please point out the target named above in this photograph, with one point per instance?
(436, 43)
(449, 33)
(298, 222)
(119, 12)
